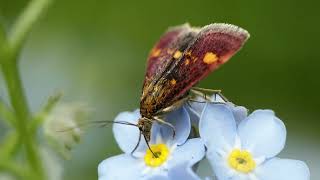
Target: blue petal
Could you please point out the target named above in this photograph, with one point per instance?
(182, 171)
(121, 167)
(262, 133)
(180, 120)
(159, 177)
(194, 115)
(181, 161)
(239, 113)
(190, 153)
(127, 136)
(217, 127)
(282, 169)
(219, 165)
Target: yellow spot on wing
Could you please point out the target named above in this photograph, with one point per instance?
(177, 54)
(173, 82)
(210, 58)
(187, 62)
(155, 52)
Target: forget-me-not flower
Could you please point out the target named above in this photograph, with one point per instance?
(175, 155)
(247, 150)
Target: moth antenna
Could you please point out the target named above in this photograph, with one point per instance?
(103, 124)
(137, 145)
(114, 122)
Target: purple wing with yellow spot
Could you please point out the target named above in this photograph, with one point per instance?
(160, 53)
(175, 40)
(212, 47)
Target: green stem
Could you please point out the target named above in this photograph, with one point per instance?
(6, 114)
(3, 43)
(13, 169)
(20, 106)
(10, 47)
(24, 23)
(9, 145)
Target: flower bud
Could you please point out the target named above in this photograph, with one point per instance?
(63, 126)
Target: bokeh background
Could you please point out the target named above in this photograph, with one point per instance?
(95, 52)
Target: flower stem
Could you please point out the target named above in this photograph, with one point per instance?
(24, 23)
(20, 107)
(10, 47)
(6, 114)
(13, 169)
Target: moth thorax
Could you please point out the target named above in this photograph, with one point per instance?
(148, 107)
(145, 125)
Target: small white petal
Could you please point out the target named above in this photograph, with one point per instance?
(283, 169)
(262, 133)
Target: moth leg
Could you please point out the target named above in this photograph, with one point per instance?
(203, 102)
(173, 107)
(166, 123)
(202, 94)
(203, 91)
(136, 147)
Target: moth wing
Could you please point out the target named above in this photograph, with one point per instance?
(175, 38)
(214, 45)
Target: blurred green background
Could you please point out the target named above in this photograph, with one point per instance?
(95, 52)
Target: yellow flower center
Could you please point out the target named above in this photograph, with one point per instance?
(241, 161)
(158, 157)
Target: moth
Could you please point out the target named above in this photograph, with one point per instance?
(182, 57)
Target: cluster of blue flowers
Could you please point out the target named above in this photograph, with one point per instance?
(237, 146)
